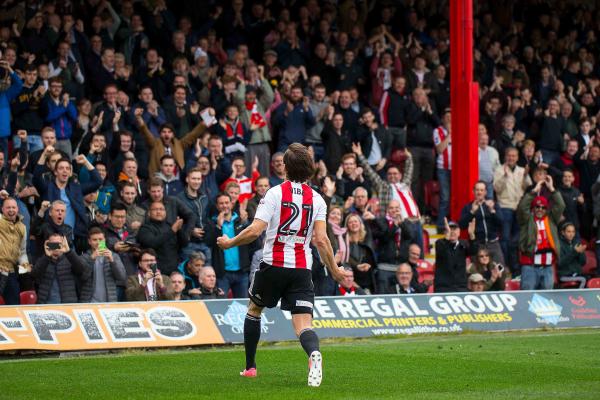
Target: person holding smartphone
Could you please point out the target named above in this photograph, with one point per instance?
(148, 284)
(108, 271)
(58, 272)
(493, 273)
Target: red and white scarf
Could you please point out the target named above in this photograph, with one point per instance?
(237, 126)
(255, 117)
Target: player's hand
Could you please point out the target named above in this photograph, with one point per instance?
(224, 242)
(337, 274)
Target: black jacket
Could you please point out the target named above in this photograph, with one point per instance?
(42, 228)
(451, 266)
(159, 236)
(69, 269)
(335, 146)
(420, 126)
(127, 258)
(388, 251)
(363, 135)
(176, 208)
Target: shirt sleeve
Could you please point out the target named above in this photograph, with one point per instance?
(320, 209)
(436, 137)
(267, 206)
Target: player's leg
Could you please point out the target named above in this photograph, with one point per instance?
(310, 343)
(251, 337)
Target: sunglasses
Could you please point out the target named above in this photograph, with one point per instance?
(540, 207)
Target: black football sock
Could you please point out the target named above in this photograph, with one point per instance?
(309, 341)
(251, 338)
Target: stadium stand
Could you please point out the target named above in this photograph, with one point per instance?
(106, 108)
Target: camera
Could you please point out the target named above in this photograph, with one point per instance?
(53, 246)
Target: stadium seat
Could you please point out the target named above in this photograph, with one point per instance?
(431, 192)
(594, 283)
(512, 285)
(426, 271)
(28, 297)
(590, 263)
(562, 285)
(1, 300)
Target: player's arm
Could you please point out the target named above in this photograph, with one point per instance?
(321, 241)
(248, 235)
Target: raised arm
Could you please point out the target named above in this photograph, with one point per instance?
(247, 236)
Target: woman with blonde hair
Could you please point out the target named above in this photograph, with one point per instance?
(359, 254)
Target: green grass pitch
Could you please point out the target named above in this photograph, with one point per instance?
(534, 365)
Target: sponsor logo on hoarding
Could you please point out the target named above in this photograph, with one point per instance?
(234, 318)
(546, 310)
(578, 301)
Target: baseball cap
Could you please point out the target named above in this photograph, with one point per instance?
(540, 201)
(476, 278)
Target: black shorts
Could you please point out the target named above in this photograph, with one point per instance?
(293, 286)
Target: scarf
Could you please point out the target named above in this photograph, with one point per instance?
(347, 292)
(397, 231)
(255, 117)
(239, 130)
(150, 289)
(339, 232)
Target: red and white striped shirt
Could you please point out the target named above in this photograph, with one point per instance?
(444, 159)
(290, 210)
(543, 251)
(408, 205)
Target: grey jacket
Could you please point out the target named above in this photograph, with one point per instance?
(114, 274)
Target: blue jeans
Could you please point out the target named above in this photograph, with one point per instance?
(417, 234)
(534, 278)
(12, 290)
(34, 141)
(236, 281)
(510, 238)
(443, 176)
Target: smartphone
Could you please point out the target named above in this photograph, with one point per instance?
(102, 245)
(153, 267)
(53, 246)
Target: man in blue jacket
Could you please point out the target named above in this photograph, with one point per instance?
(70, 191)
(292, 119)
(61, 114)
(10, 87)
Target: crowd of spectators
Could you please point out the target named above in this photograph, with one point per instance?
(134, 133)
